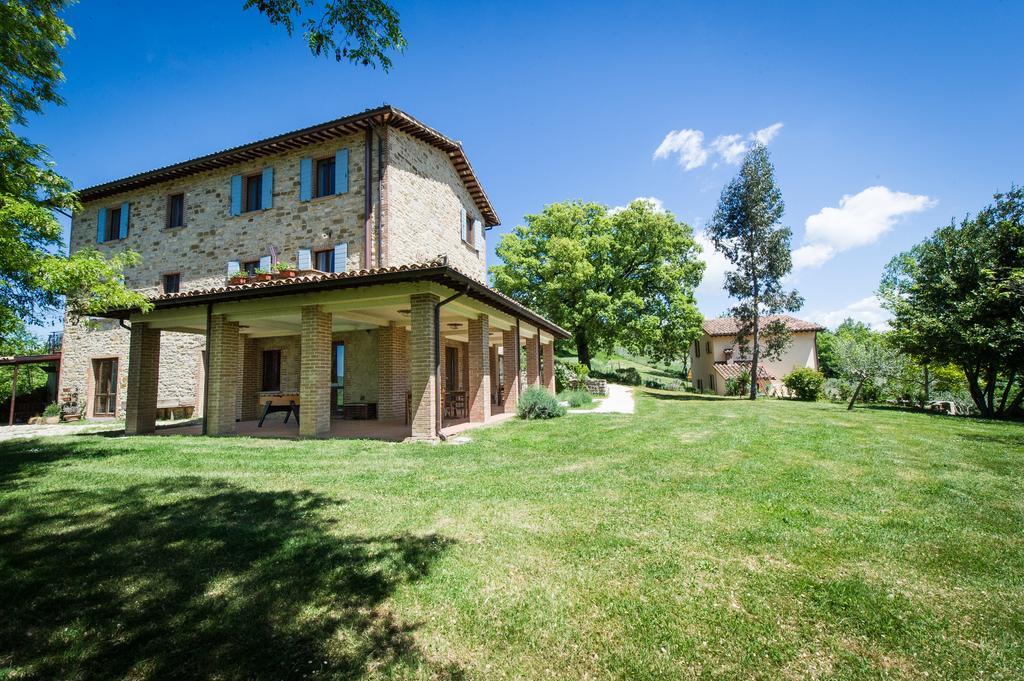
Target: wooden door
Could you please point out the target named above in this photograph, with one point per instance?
(105, 388)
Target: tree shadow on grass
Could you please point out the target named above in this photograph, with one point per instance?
(190, 579)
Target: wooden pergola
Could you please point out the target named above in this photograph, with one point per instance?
(19, 360)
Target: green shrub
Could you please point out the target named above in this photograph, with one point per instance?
(52, 409)
(576, 398)
(805, 382)
(538, 403)
(567, 373)
(627, 375)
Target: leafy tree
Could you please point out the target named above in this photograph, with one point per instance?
(361, 31)
(746, 230)
(612, 278)
(864, 361)
(827, 360)
(35, 277)
(958, 297)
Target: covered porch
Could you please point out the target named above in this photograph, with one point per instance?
(347, 356)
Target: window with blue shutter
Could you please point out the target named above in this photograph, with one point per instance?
(236, 194)
(305, 259)
(267, 184)
(324, 260)
(305, 179)
(341, 171)
(233, 267)
(101, 226)
(463, 225)
(341, 257)
(325, 177)
(265, 263)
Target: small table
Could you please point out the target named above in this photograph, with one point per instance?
(278, 403)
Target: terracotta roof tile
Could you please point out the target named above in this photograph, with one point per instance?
(729, 370)
(437, 269)
(727, 326)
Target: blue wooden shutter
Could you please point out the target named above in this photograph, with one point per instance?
(233, 266)
(341, 171)
(101, 226)
(236, 194)
(268, 188)
(305, 179)
(305, 259)
(341, 257)
(463, 226)
(123, 227)
(478, 235)
(265, 263)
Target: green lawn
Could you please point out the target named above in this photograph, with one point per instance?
(700, 538)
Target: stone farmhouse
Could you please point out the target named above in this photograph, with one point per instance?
(385, 328)
(715, 357)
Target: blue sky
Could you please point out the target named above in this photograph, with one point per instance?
(911, 110)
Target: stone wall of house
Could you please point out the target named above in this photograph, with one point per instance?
(425, 196)
(180, 362)
(211, 236)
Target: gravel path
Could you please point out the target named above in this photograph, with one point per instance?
(619, 401)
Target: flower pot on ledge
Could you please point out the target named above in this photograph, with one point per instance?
(286, 274)
(262, 277)
(238, 279)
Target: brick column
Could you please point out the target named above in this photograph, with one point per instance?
(421, 366)
(549, 366)
(315, 373)
(533, 361)
(249, 381)
(222, 395)
(392, 370)
(510, 346)
(143, 378)
(479, 361)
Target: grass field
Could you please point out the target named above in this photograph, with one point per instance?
(700, 538)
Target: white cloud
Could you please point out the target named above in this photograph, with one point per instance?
(766, 135)
(656, 204)
(812, 255)
(868, 310)
(861, 219)
(688, 145)
(730, 147)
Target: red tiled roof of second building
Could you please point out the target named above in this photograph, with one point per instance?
(727, 326)
(729, 370)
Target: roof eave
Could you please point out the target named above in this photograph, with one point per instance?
(442, 274)
(380, 116)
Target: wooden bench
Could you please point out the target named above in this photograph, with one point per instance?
(280, 403)
(174, 409)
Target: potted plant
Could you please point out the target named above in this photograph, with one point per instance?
(260, 274)
(238, 278)
(284, 270)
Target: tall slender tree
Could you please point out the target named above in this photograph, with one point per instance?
(746, 229)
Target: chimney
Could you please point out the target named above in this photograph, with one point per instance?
(728, 355)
